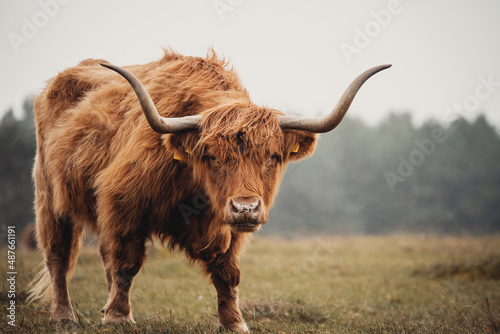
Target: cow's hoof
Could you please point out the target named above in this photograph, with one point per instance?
(63, 315)
(239, 327)
(111, 318)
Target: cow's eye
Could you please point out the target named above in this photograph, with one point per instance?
(209, 157)
(212, 160)
(273, 162)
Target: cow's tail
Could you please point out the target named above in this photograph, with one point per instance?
(40, 288)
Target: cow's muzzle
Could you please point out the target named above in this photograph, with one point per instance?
(245, 214)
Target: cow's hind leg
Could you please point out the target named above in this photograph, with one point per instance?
(61, 240)
(109, 278)
(123, 257)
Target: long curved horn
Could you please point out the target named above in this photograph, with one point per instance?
(158, 123)
(330, 121)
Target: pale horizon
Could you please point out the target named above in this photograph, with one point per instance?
(295, 56)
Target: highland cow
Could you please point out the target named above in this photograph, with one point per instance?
(176, 151)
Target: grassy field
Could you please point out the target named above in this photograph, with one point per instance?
(331, 284)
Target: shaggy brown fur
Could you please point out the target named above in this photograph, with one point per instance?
(100, 166)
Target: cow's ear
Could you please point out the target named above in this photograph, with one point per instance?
(182, 144)
(299, 144)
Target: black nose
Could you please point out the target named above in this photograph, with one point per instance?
(245, 209)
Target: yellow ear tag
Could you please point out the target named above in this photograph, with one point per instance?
(296, 148)
(177, 156)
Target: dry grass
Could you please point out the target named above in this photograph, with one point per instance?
(331, 284)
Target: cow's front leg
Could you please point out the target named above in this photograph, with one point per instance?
(123, 264)
(226, 283)
(224, 270)
(118, 308)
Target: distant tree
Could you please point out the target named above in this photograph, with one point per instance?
(16, 159)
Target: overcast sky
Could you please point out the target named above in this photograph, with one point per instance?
(297, 56)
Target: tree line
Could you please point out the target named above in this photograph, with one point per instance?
(395, 177)
(392, 177)
(17, 151)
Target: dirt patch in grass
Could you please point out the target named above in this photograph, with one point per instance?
(289, 311)
(488, 268)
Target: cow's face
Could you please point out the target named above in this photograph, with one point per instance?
(238, 156)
